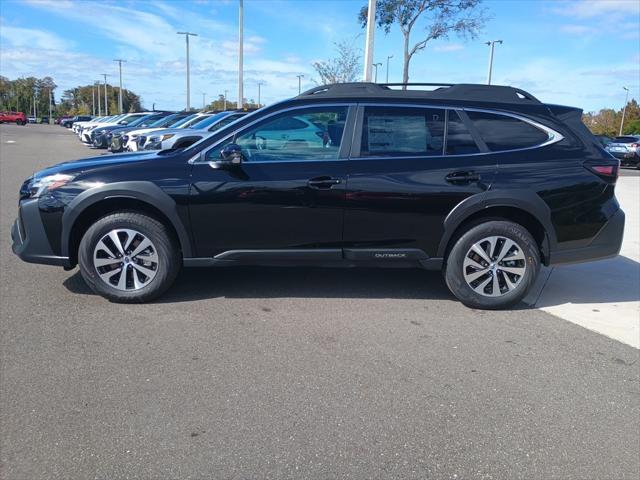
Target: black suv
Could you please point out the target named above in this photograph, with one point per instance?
(482, 182)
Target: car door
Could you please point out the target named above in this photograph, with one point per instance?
(285, 195)
(404, 178)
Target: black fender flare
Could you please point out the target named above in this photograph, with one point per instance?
(143, 191)
(526, 200)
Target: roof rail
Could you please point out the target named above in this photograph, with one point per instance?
(417, 84)
(445, 91)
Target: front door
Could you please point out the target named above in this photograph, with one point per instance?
(288, 192)
(404, 179)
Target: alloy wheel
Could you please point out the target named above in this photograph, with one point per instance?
(494, 266)
(125, 259)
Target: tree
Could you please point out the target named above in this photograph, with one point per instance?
(341, 69)
(607, 121)
(442, 18)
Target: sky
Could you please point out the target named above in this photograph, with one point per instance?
(572, 52)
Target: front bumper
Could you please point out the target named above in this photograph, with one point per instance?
(605, 244)
(29, 240)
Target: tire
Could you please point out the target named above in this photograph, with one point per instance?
(160, 261)
(478, 290)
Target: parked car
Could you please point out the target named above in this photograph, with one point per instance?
(68, 122)
(19, 118)
(120, 136)
(101, 137)
(626, 149)
(131, 142)
(604, 140)
(31, 119)
(121, 120)
(185, 137)
(60, 119)
(482, 182)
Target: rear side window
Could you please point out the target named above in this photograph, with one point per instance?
(459, 139)
(402, 131)
(501, 132)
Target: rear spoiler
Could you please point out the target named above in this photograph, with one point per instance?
(572, 118)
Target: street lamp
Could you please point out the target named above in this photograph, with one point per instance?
(388, 58)
(186, 36)
(624, 109)
(375, 76)
(106, 107)
(300, 77)
(120, 92)
(99, 102)
(259, 85)
(492, 44)
(225, 100)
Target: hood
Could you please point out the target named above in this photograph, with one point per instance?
(164, 131)
(143, 131)
(79, 166)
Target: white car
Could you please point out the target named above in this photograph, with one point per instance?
(184, 137)
(117, 120)
(132, 143)
(79, 127)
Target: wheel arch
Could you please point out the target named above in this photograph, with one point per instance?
(523, 207)
(141, 196)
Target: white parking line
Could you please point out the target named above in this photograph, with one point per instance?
(603, 296)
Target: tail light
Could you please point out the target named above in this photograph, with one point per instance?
(608, 172)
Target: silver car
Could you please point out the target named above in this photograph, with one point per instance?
(626, 149)
(184, 137)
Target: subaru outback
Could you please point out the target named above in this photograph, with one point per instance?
(484, 183)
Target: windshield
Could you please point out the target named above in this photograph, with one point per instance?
(195, 119)
(166, 121)
(209, 120)
(142, 119)
(184, 121)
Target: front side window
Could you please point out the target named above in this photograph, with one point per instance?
(313, 134)
(501, 132)
(402, 131)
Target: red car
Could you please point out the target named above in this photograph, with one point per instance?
(19, 118)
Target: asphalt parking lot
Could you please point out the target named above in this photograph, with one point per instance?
(295, 373)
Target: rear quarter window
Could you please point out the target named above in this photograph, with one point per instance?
(501, 132)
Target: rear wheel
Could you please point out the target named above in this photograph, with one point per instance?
(128, 257)
(493, 265)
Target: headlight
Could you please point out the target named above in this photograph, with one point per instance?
(167, 136)
(133, 136)
(42, 185)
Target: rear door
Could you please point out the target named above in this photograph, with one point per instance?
(410, 166)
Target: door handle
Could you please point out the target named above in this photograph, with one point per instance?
(323, 182)
(462, 177)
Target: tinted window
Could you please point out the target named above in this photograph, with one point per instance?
(500, 132)
(225, 121)
(402, 131)
(459, 140)
(626, 139)
(314, 134)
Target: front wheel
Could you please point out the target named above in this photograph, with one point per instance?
(493, 265)
(128, 257)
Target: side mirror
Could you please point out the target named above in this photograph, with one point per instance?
(230, 156)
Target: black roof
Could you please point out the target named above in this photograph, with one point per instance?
(444, 91)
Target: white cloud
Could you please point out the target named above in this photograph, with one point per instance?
(26, 37)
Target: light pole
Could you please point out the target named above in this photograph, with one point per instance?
(106, 106)
(93, 100)
(99, 103)
(120, 92)
(300, 77)
(259, 85)
(624, 109)
(49, 106)
(240, 54)
(376, 65)
(368, 46)
(203, 101)
(492, 44)
(186, 36)
(388, 58)
(225, 100)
